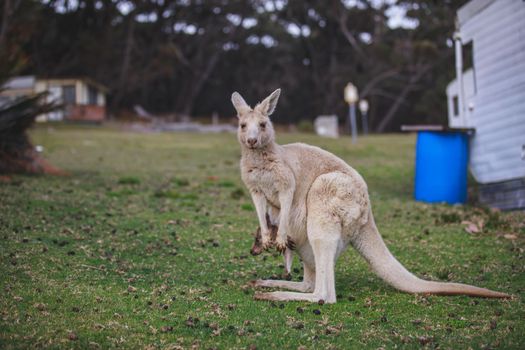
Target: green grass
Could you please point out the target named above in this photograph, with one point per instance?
(146, 245)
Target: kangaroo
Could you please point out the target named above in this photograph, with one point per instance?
(323, 207)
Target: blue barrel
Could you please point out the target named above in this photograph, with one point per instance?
(441, 167)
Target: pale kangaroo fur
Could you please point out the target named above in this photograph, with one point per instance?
(323, 207)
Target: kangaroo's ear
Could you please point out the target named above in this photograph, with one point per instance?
(240, 105)
(267, 106)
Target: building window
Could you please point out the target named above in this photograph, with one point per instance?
(468, 56)
(69, 94)
(468, 61)
(455, 105)
(92, 96)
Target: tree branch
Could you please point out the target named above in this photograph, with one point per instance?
(348, 35)
(377, 79)
(421, 70)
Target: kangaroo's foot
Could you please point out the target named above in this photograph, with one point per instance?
(298, 286)
(324, 238)
(293, 296)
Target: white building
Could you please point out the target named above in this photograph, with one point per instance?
(489, 96)
(83, 99)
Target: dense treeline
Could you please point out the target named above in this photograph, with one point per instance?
(185, 57)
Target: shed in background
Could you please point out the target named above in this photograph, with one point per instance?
(83, 99)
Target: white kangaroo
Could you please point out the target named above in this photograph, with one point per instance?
(323, 207)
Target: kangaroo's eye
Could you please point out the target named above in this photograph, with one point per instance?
(243, 126)
(262, 125)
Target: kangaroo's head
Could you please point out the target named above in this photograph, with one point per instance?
(255, 127)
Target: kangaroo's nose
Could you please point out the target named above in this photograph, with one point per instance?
(252, 141)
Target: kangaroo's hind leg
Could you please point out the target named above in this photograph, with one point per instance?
(324, 237)
(307, 285)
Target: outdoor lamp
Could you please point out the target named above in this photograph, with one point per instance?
(351, 97)
(363, 107)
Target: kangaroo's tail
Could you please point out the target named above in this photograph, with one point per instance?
(371, 246)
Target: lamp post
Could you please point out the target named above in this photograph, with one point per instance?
(363, 107)
(351, 97)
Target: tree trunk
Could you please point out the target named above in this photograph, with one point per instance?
(198, 84)
(5, 21)
(401, 97)
(393, 108)
(126, 62)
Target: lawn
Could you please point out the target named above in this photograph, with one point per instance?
(146, 245)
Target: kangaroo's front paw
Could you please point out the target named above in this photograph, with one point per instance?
(290, 243)
(280, 244)
(266, 241)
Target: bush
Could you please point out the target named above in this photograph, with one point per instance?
(305, 126)
(129, 180)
